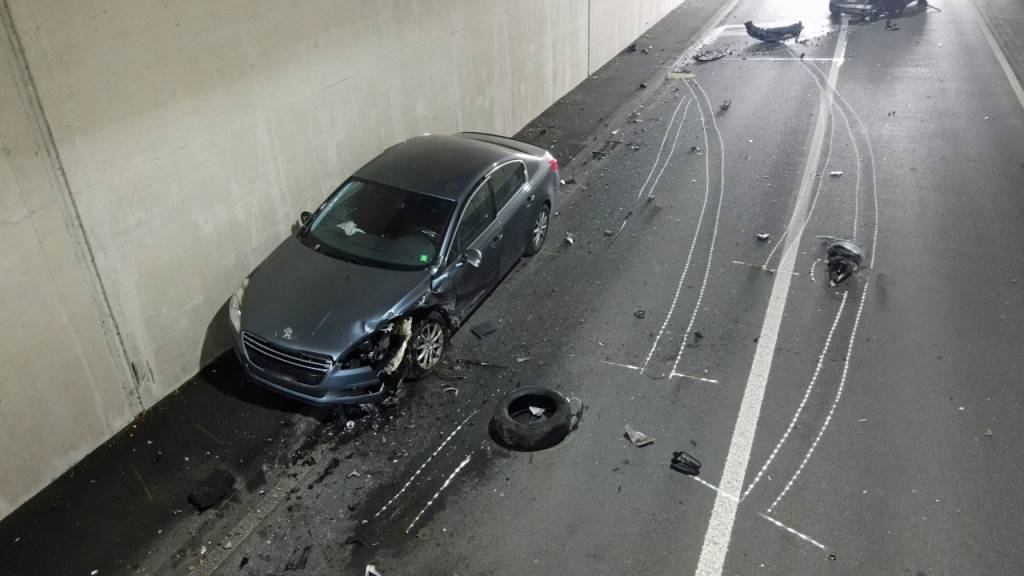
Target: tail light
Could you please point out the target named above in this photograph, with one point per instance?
(554, 164)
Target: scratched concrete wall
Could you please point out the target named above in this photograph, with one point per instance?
(191, 134)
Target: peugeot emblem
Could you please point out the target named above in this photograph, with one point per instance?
(287, 333)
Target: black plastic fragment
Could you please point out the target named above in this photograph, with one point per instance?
(685, 463)
(844, 258)
(484, 329)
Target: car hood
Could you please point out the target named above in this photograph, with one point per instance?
(305, 300)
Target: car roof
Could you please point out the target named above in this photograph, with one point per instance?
(442, 166)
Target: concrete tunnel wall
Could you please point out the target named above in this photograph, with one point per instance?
(152, 153)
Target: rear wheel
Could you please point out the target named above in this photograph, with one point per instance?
(539, 230)
(428, 345)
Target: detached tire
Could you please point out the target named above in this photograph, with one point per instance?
(516, 427)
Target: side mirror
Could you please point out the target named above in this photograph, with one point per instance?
(473, 257)
(304, 217)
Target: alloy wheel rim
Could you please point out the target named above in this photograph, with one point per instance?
(540, 228)
(429, 345)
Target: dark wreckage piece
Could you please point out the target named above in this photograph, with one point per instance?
(777, 34)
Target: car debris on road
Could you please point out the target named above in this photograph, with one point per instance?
(844, 258)
(777, 34)
(762, 236)
(685, 463)
(484, 329)
(638, 438)
(218, 485)
(725, 105)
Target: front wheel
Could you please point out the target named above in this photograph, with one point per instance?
(428, 344)
(539, 230)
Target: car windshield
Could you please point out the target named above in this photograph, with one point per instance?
(377, 225)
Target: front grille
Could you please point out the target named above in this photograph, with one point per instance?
(291, 365)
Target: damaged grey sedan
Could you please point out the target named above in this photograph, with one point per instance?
(369, 289)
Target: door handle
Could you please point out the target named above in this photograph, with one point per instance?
(496, 240)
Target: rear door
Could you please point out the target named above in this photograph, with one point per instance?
(515, 207)
(479, 229)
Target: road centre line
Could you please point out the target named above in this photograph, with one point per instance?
(723, 515)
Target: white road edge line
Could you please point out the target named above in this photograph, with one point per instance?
(1000, 57)
(723, 515)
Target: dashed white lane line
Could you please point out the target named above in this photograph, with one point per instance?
(835, 402)
(1000, 57)
(803, 401)
(718, 214)
(424, 465)
(723, 515)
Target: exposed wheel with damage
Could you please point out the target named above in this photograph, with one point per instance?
(428, 345)
(532, 418)
(539, 230)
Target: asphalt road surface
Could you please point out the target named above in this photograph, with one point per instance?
(867, 428)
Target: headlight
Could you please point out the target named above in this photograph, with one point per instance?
(235, 306)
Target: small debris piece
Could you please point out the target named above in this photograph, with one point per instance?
(484, 329)
(725, 105)
(245, 560)
(609, 232)
(353, 474)
(647, 50)
(844, 258)
(451, 389)
(570, 239)
(218, 485)
(350, 425)
(482, 363)
(202, 550)
(640, 313)
(371, 570)
(537, 412)
(762, 237)
(94, 573)
(523, 359)
(632, 47)
(988, 432)
(709, 55)
(698, 336)
(835, 173)
(638, 438)
(685, 463)
(695, 148)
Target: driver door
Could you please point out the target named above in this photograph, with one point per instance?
(478, 229)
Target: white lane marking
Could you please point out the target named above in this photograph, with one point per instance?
(799, 535)
(621, 365)
(424, 465)
(715, 488)
(778, 524)
(760, 267)
(817, 190)
(693, 245)
(813, 267)
(718, 214)
(697, 378)
(671, 151)
(835, 402)
(783, 59)
(723, 515)
(803, 401)
(871, 152)
(661, 148)
(1000, 57)
(439, 490)
(856, 150)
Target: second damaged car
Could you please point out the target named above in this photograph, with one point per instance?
(372, 284)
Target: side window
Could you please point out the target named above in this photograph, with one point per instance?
(506, 181)
(479, 213)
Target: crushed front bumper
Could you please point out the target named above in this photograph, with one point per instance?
(339, 386)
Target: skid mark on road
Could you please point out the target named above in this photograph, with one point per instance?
(835, 402)
(803, 401)
(718, 213)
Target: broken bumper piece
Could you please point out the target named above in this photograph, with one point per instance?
(337, 386)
